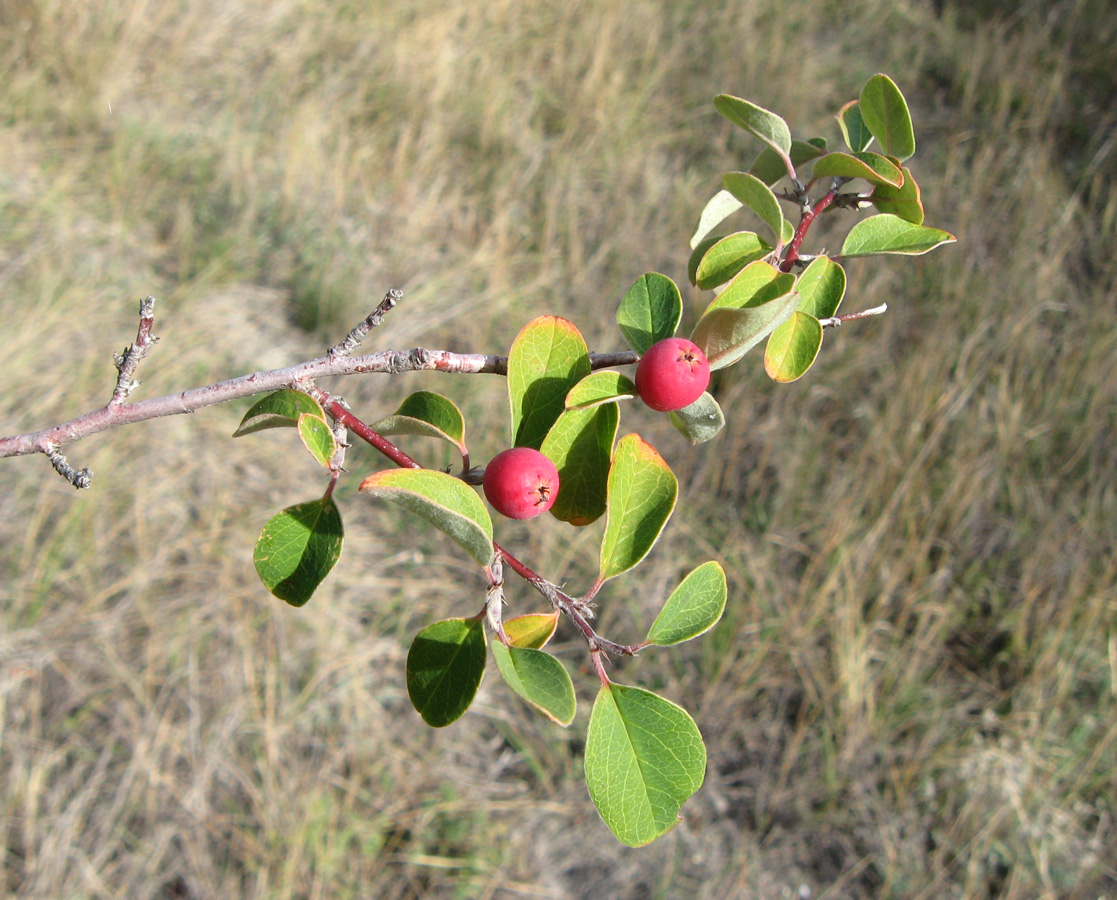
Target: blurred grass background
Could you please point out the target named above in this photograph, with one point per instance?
(912, 694)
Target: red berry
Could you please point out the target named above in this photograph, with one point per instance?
(672, 374)
(521, 483)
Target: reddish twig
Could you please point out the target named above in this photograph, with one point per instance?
(805, 221)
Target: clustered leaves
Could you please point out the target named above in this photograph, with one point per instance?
(644, 755)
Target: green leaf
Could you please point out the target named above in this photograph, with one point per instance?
(650, 311)
(885, 112)
(540, 679)
(447, 503)
(700, 421)
(766, 125)
(754, 285)
(873, 167)
(605, 386)
(792, 348)
(727, 257)
(717, 209)
(821, 287)
(770, 168)
(642, 492)
(547, 359)
(532, 631)
(698, 253)
(297, 549)
(644, 759)
(317, 438)
(581, 445)
(428, 414)
(854, 130)
(693, 608)
(758, 197)
(445, 666)
(725, 335)
(905, 201)
(891, 234)
(279, 410)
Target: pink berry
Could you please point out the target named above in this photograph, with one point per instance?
(521, 483)
(672, 374)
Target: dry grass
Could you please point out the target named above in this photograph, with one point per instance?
(913, 692)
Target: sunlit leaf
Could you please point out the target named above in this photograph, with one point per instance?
(278, 410)
(700, 421)
(873, 167)
(547, 359)
(533, 630)
(754, 285)
(887, 233)
(793, 347)
(650, 311)
(758, 197)
(725, 335)
(693, 608)
(605, 386)
(766, 125)
(428, 414)
(297, 549)
(581, 445)
(445, 666)
(886, 115)
(644, 759)
(821, 287)
(717, 209)
(444, 501)
(538, 678)
(727, 257)
(317, 438)
(641, 495)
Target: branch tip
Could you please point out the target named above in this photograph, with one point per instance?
(358, 332)
(79, 478)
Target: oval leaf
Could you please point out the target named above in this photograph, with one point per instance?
(540, 679)
(317, 438)
(445, 666)
(885, 112)
(644, 760)
(854, 130)
(581, 446)
(547, 359)
(873, 167)
(793, 347)
(727, 257)
(719, 207)
(532, 631)
(821, 287)
(650, 311)
(447, 503)
(891, 234)
(605, 386)
(428, 414)
(641, 496)
(297, 548)
(754, 285)
(769, 166)
(279, 410)
(693, 608)
(905, 202)
(758, 197)
(700, 421)
(725, 335)
(766, 125)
